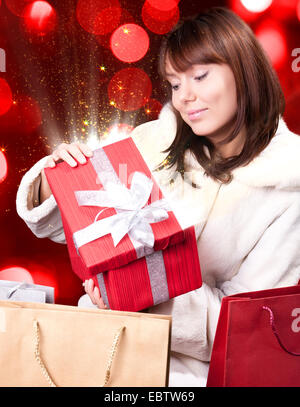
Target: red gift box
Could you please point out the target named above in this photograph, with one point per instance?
(123, 271)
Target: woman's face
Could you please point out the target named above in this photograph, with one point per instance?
(205, 97)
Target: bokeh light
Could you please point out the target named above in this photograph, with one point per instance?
(256, 6)
(284, 10)
(17, 6)
(107, 20)
(39, 18)
(242, 11)
(3, 166)
(272, 39)
(152, 109)
(298, 10)
(45, 274)
(129, 89)
(161, 10)
(16, 273)
(160, 18)
(24, 116)
(104, 39)
(129, 43)
(5, 97)
(98, 17)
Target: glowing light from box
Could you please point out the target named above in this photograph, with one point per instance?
(114, 133)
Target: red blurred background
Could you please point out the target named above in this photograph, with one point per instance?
(75, 70)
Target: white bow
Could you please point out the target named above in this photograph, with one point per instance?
(132, 214)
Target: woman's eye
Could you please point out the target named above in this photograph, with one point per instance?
(199, 78)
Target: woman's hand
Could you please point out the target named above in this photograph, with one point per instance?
(94, 293)
(72, 154)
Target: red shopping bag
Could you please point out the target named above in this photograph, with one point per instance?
(257, 342)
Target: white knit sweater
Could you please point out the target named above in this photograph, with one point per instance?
(248, 233)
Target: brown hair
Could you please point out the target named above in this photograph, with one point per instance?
(219, 36)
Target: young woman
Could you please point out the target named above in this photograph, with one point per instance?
(221, 148)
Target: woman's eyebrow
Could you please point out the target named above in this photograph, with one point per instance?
(170, 74)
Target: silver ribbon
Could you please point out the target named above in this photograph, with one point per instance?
(133, 216)
(157, 276)
(15, 288)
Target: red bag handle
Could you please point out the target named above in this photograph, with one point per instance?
(272, 323)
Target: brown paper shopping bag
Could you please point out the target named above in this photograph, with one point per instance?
(60, 345)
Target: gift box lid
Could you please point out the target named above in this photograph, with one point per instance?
(116, 175)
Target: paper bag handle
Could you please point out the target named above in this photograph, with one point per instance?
(44, 369)
(272, 323)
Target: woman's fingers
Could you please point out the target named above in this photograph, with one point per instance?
(98, 299)
(94, 293)
(75, 151)
(65, 156)
(50, 162)
(70, 153)
(85, 149)
(89, 289)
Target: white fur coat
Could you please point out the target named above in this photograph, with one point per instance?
(248, 233)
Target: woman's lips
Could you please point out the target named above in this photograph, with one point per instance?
(195, 114)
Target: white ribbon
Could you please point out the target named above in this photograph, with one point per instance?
(132, 214)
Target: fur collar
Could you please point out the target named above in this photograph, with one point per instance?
(277, 166)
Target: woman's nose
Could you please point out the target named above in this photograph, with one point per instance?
(187, 93)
